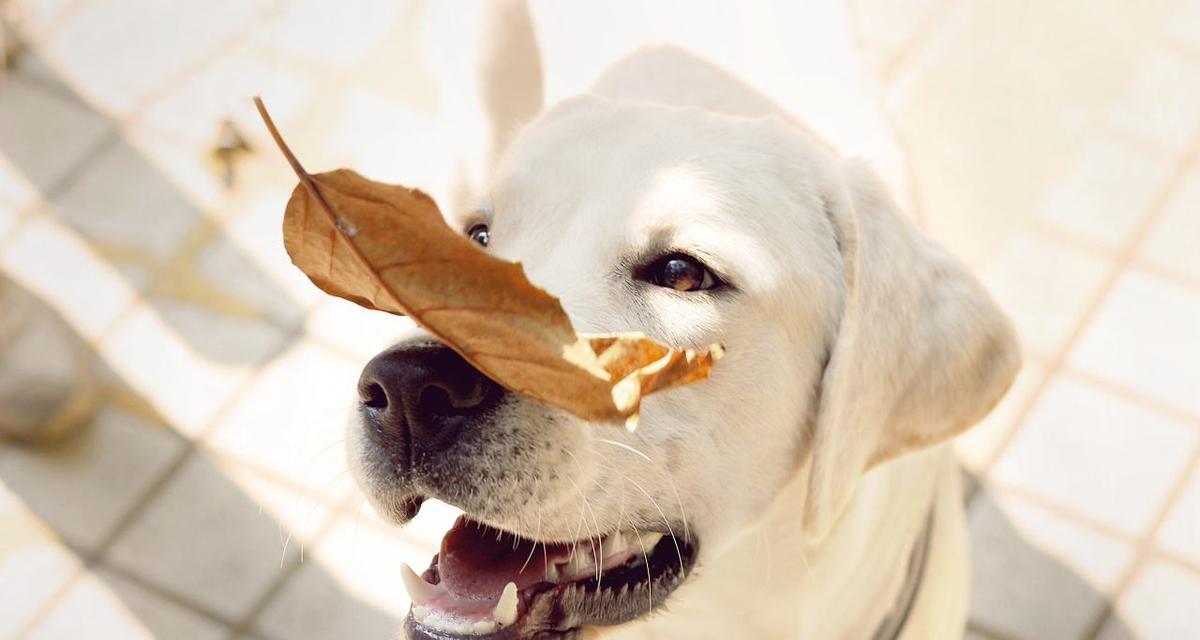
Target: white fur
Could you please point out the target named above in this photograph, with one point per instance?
(807, 464)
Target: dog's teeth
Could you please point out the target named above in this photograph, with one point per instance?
(650, 539)
(419, 591)
(551, 573)
(581, 563)
(483, 626)
(505, 612)
(420, 613)
(616, 543)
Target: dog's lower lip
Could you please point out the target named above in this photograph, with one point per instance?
(615, 595)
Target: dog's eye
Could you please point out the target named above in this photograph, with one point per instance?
(480, 233)
(681, 273)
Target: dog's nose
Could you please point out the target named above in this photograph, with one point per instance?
(421, 394)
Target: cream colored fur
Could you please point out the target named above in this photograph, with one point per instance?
(808, 464)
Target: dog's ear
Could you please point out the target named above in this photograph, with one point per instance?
(922, 352)
(509, 72)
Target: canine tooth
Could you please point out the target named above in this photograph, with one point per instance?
(505, 612)
(651, 539)
(419, 612)
(581, 562)
(551, 573)
(616, 544)
(483, 626)
(419, 591)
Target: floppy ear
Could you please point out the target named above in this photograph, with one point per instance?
(922, 353)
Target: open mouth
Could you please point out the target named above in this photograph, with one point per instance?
(490, 584)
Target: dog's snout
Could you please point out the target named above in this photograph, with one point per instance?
(420, 395)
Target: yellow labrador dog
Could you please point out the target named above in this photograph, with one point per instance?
(806, 490)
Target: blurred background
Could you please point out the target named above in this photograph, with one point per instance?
(1052, 145)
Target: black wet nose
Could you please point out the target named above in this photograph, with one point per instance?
(418, 396)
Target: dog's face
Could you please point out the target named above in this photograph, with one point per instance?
(693, 228)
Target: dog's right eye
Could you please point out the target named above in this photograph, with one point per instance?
(680, 272)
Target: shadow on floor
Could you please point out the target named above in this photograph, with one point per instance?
(1018, 591)
(129, 494)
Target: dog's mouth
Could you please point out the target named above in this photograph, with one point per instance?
(493, 585)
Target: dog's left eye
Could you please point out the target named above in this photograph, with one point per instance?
(680, 272)
(480, 233)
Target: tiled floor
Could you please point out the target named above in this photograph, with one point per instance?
(1051, 145)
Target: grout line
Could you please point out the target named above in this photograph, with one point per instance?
(245, 626)
(1096, 250)
(1123, 258)
(984, 630)
(1134, 397)
(99, 553)
(1145, 547)
(169, 595)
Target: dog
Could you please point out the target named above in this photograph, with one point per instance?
(806, 490)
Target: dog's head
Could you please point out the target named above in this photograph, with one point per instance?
(850, 340)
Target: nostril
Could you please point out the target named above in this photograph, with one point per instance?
(374, 397)
(438, 399)
(435, 401)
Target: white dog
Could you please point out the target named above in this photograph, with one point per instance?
(805, 491)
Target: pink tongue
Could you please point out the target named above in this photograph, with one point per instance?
(474, 564)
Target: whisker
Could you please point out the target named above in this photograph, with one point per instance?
(654, 502)
(533, 547)
(687, 533)
(646, 561)
(597, 555)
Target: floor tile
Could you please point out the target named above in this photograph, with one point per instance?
(34, 16)
(960, 99)
(120, 78)
(84, 487)
(1171, 243)
(1161, 604)
(349, 587)
(1105, 193)
(153, 359)
(106, 605)
(1098, 455)
(357, 28)
(1159, 106)
(293, 418)
(203, 539)
(1034, 574)
(57, 265)
(978, 445)
(298, 515)
(1184, 26)
(33, 566)
(44, 133)
(256, 240)
(124, 205)
(1045, 309)
(1145, 338)
(16, 193)
(1180, 533)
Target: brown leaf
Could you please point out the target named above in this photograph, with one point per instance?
(387, 247)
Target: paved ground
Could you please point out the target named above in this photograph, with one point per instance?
(1052, 145)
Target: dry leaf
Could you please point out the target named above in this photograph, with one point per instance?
(387, 247)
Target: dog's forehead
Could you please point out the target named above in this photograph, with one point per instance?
(614, 172)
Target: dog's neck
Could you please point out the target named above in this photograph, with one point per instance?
(843, 587)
